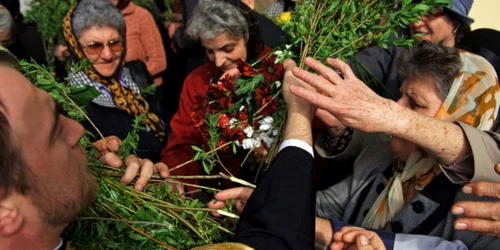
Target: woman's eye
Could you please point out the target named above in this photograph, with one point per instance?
(229, 49)
(209, 51)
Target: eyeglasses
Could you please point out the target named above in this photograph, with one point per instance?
(7, 43)
(433, 14)
(96, 48)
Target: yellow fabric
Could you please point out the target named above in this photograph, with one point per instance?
(224, 246)
(125, 99)
(472, 99)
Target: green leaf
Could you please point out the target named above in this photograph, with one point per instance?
(246, 86)
(83, 95)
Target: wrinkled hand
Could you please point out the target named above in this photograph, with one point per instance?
(294, 103)
(481, 217)
(356, 238)
(239, 195)
(352, 102)
(133, 165)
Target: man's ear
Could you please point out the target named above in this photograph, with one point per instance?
(11, 219)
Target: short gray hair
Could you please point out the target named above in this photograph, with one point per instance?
(91, 13)
(6, 21)
(211, 18)
(425, 58)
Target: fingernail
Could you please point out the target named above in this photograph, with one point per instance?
(363, 240)
(467, 189)
(138, 187)
(461, 226)
(458, 210)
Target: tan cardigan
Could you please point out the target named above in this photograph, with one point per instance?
(144, 41)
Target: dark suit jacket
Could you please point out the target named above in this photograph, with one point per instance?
(280, 214)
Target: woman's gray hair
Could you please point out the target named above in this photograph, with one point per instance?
(212, 18)
(6, 21)
(90, 13)
(425, 58)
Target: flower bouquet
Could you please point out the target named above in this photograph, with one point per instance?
(245, 112)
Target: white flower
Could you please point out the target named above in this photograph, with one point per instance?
(278, 52)
(275, 132)
(248, 131)
(250, 143)
(268, 141)
(248, 99)
(238, 144)
(242, 107)
(232, 122)
(277, 83)
(288, 46)
(265, 127)
(267, 120)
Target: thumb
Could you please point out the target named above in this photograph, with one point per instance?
(363, 243)
(289, 64)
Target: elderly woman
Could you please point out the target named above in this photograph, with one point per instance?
(446, 26)
(227, 33)
(100, 39)
(406, 184)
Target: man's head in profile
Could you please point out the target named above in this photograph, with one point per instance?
(44, 181)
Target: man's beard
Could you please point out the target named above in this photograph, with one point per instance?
(56, 206)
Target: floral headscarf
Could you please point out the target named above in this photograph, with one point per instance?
(472, 99)
(124, 98)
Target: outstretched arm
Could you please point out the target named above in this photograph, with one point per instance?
(358, 107)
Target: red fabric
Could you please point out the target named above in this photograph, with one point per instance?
(184, 134)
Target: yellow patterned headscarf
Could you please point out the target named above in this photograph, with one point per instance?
(472, 99)
(124, 98)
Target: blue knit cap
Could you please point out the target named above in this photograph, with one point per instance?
(460, 9)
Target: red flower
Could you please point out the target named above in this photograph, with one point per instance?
(245, 68)
(271, 71)
(265, 101)
(223, 91)
(200, 108)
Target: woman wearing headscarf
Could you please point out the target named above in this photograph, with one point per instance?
(447, 26)
(100, 39)
(228, 33)
(406, 184)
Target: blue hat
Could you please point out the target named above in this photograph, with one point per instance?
(460, 9)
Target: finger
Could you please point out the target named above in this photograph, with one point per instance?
(132, 166)
(162, 169)
(477, 209)
(147, 170)
(478, 225)
(289, 64)
(240, 205)
(327, 118)
(111, 160)
(337, 246)
(313, 97)
(490, 189)
(362, 243)
(342, 66)
(241, 193)
(114, 142)
(497, 168)
(325, 71)
(315, 81)
(215, 204)
(337, 236)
